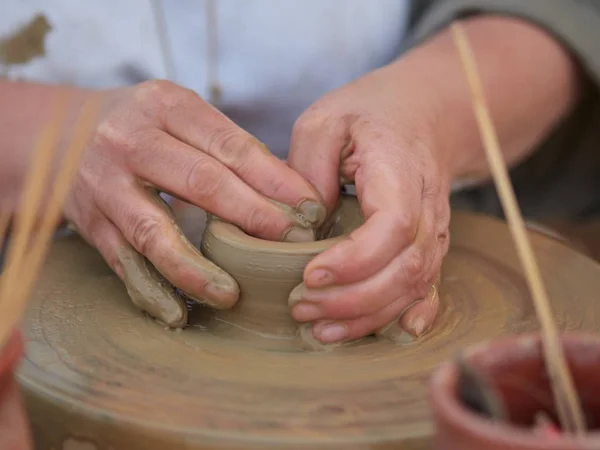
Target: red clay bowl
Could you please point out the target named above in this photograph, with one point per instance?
(514, 366)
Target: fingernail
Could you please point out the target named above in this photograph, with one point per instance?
(297, 234)
(330, 333)
(223, 282)
(417, 326)
(306, 312)
(312, 212)
(221, 292)
(297, 294)
(319, 278)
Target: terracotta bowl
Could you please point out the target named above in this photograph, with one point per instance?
(515, 368)
(14, 430)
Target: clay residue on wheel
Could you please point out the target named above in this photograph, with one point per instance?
(96, 369)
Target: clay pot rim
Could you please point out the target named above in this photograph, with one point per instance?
(444, 378)
(236, 237)
(11, 352)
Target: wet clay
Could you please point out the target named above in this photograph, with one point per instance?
(267, 272)
(152, 292)
(97, 371)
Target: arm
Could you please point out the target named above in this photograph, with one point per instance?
(560, 174)
(531, 83)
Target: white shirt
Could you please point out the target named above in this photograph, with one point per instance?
(275, 57)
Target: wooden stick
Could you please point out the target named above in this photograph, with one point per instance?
(565, 394)
(25, 273)
(34, 187)
(84, 129)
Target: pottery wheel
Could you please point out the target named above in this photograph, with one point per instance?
(100, 374)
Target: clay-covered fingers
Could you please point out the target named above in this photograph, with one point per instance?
(316, 147)
(418, 317)
(391, 205)
(349, 311)
(231, 159)
(196, 177)
(151, 231)
(145, 286)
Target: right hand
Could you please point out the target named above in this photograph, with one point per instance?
(158, 136)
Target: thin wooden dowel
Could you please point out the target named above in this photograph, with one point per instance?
(35, 186)
(32, 261)
(565, 395)
(52, 215)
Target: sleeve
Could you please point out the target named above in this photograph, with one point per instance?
(562, 177)
(575, 23)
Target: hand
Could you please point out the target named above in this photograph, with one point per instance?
(159, 136)
(375, 133)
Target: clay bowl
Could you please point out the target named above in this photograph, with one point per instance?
(14, 432)
(515, 369)
(267, 272)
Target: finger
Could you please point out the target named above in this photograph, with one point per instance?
(145, 224)
(315, 153)
(200, 125)
(420, 317)
(179, 169)
(392, 207)
(416, 319)
(331, 332)
(409, 274)
(144, 284)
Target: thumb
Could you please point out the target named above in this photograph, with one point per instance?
(316, 151)
(415, 320)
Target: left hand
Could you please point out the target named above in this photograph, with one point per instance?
(378, 132)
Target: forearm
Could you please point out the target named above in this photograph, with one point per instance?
(26, 109)
(530, 83)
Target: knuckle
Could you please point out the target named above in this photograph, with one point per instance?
(205, 177)
(256, 222)
(160, 95)
(151, 91)
(122, 143)
(145, 233)
(403, 225)
(415, 265)
(309, 122)
(232, 147)
(444, 242)
(277, 185)
(110, 135)
(421, 291)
